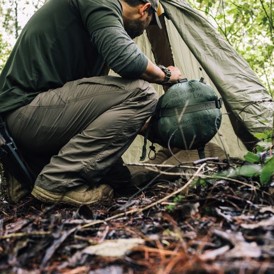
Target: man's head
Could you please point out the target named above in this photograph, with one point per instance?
(139, 14)
(156, 9)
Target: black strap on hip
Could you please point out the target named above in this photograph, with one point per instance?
(12, 159)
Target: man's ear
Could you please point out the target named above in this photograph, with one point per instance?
(144, 8)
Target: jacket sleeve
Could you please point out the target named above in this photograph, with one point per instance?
(103, 21)
(120, 52)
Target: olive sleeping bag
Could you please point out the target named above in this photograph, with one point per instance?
(187, 116)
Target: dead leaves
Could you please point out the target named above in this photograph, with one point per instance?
(215, 226)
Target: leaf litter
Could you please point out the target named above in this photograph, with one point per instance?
(197, 223)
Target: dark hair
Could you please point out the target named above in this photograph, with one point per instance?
(134, 3)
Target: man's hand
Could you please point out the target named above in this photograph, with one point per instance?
(165, 76)
(176, 75)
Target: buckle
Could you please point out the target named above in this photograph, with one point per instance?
(219, 103)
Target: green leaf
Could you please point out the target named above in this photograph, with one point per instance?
(264, 135)
(267, 172)
(252, 157)
(248, 171)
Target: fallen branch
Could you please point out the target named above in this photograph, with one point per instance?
(231, 180)
(162, 165)
(139, 210)
(21, 235)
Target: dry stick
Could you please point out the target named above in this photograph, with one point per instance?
(21, 235)
(230, 179)
(161, 165)
(149, 206)
(177, 191)
(155, 250)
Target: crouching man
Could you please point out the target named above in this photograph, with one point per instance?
(71, 122)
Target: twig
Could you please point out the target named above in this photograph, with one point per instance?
(20, 235)
(155, 250)
(208, 159)
(139, 210)
(230, 179)
(162, 165)
(177, 191)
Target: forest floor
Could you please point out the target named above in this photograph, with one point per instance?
(187, 225)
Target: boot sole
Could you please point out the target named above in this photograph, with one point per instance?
(49, 197)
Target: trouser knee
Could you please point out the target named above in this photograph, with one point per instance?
(148, 94)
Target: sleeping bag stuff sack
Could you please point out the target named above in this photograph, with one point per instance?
(187, 116)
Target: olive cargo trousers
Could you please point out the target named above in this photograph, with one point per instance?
(75, 134)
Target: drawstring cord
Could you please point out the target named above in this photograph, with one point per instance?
(144, 149)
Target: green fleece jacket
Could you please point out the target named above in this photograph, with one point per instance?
(67, 40)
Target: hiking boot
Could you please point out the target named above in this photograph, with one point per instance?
(83, 195)
(12, 189)
(140, 176)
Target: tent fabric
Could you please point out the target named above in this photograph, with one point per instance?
(246, 99)
(199, 50)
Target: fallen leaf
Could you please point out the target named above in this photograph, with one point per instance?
(212, 254)
(264, 224)
(113, 248)
(243, 250)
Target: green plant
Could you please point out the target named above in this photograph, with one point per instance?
(176, 200)
(259, 163)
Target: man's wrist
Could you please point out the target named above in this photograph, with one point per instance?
(167, 73)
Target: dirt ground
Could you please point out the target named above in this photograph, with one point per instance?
(191, 224)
